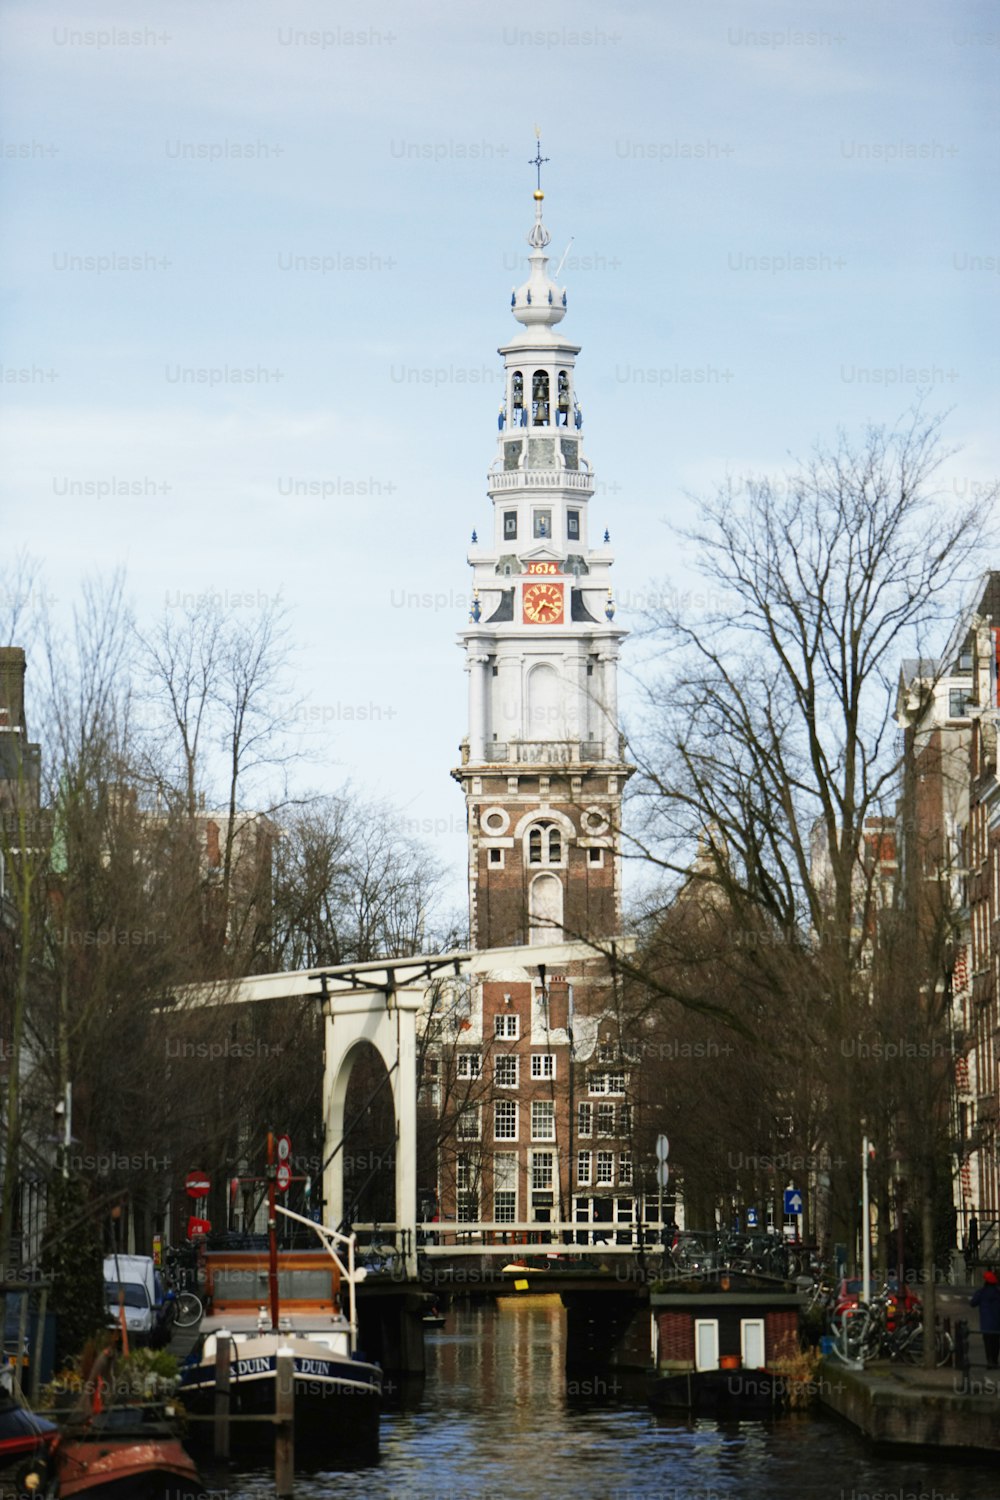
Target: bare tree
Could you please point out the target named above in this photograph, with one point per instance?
(770, 733)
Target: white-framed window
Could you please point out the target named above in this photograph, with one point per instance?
(625, 1168)
(496, 858)
(605, 1119)
(607, 1052)
(542, 1170)
(470, 1065)
(467, 1207)
(463, 1172)
(469, 1125)
(584, 1168)
(610, 1082)
(543, 1065)
(752, 1343)
(505, 1072)
(507, 1025)
(584, 1118)
(624, 1119)
(605, 1168)
(545, 845)
(543, 1120)
(595, 856)
(505, 1120)
(505, 1187)
(706, 1343)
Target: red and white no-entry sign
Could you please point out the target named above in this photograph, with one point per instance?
(197, 1185)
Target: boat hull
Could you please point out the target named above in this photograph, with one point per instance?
(126, 1469)
(337, 1400)
(720, 1393)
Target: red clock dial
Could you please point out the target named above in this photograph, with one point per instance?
(543, 604)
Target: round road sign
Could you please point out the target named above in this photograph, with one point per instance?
(197, 1185)
(284, 1176)
(284, 1147)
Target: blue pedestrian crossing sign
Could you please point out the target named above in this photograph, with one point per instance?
(751, 1218)
(793, 1201)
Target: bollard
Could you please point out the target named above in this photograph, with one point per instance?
(284, 1432)
(963, 1359)
(223, 1368)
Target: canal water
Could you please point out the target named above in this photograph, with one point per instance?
(498, 1416)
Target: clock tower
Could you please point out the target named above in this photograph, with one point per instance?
(541, 1096)
(542, 767)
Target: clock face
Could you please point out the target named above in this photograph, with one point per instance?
(543, 604)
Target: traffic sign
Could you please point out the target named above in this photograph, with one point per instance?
(197, 1185)
(284, 1176)
(752, 1219)
(284, 1148)
(662, 1148)
(793, 1201)
(662, 1173)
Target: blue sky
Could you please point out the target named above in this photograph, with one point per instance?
(782, 219)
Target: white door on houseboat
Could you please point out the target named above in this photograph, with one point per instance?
(706, 1344)
(752, 1343)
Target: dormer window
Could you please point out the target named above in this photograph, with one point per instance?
(540, 398)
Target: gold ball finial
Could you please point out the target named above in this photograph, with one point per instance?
(538, 195)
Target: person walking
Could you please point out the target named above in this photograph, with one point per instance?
(987, 1299)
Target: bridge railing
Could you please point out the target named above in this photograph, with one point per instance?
(565, 1237)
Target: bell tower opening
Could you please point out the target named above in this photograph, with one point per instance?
(540, 398)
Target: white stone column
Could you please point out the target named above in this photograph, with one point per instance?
(333, 1128)
(609, 702)
(406, 1004)
(574, 675)
(475, 665)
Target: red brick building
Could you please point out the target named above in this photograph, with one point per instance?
(949, 707)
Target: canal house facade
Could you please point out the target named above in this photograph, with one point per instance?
(546, 1131)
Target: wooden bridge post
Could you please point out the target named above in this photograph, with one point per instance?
(222, 1393)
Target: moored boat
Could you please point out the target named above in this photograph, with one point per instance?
(126, 1453)
(312, 1314)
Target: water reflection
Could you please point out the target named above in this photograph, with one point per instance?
(497, 1416)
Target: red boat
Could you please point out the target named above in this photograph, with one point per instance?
(126, 1453)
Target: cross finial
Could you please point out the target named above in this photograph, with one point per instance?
(538, 160)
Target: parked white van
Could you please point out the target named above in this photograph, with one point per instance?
(137, 1278)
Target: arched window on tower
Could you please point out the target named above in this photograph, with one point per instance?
(545, 910)
(517, 399)
(544, 844)
(540, 398)
(562, 404)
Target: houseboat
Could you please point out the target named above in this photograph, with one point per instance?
(719, 1344)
